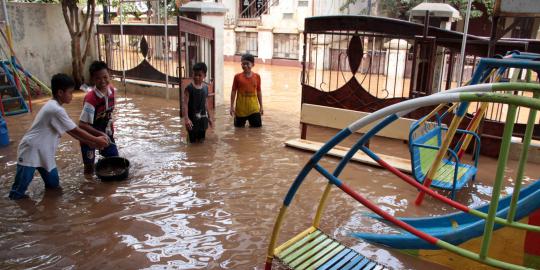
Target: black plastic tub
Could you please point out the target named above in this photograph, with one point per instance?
(112, 168)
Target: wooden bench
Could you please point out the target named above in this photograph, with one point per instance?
(340, 118)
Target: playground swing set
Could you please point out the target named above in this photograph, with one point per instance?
(433, 160)
(452, 234)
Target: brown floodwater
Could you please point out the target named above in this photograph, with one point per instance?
(204, 206)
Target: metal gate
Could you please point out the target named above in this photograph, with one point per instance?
(144, 52)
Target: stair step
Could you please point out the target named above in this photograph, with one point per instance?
(4, 87)
(11, 99)
(16, 112)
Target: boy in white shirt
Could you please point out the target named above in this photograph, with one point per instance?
(38, 146)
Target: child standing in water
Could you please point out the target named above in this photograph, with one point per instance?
(196, 105)
(96, 116)
(38, 146)
(246, 92)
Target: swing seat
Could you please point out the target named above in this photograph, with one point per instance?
(452, 174)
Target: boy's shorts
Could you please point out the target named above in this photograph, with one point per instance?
(198, 131)
(89, 154)
(24, 176)
(253, 119)
(196, 136)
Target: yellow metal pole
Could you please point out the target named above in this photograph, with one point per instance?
(440, 154)
(320, 208)
(474, 126)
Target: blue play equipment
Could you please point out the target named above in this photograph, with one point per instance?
(428, 135)
(4, 136)
(9, 91)
(452, 173)
(458, 227)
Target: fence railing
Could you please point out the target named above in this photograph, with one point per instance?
(286, 46)
(143, 51)
(366, 63)
(247, 42)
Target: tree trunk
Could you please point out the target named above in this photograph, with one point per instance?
(76, 61)
(71, 12)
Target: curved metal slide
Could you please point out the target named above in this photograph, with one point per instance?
(455, 228)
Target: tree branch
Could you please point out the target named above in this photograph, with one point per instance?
(67, 19)
(73, 20)
(89, 31)
(76, 20)
(85, 16)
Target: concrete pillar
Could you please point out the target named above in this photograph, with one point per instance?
(212, 14)
(301, 46)
(229, 41)
(265, 46)
(396, 55)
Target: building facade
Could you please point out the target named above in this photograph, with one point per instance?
(272, 30)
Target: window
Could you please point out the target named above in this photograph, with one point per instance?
(288, 15)
(246, 42)
(286, 46)
(303, 3)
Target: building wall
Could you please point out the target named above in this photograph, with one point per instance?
(286, 17)
(41, 39)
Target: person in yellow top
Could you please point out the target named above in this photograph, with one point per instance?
(246, 98)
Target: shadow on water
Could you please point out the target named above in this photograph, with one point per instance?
(204, 206)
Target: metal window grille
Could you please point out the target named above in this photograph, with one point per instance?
(246, 42)
(288, 15)
(286, 46)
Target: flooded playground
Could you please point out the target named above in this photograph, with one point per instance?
(204, 206)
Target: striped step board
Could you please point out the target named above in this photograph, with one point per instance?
(318, 251)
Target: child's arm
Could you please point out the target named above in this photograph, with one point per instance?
(187, 121)
(259, 95)
(90, 129)
(85, 137)
(85, 120)
(210, 113)
(232, 110)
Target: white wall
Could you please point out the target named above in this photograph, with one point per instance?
(41, 39)
(229, 41)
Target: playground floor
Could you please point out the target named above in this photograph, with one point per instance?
(207, 206)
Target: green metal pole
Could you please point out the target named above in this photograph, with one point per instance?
(473, 256)
(501, 165)
(522, 161)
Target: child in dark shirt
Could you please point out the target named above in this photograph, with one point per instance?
(196, 105)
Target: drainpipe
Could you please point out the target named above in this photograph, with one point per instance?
(4, 7)
(166, 52)
(106, 13)
(122, 46)
(464, 44)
